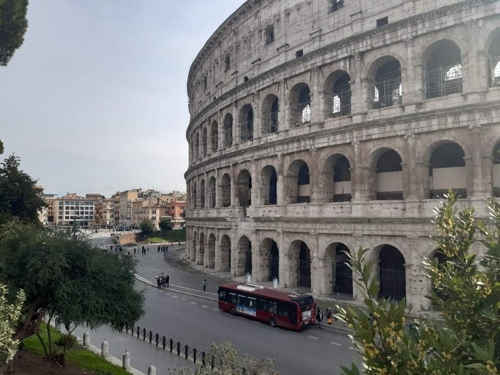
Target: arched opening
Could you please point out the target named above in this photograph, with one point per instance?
(244, 184)
(246, 123)
(338, 94)
(270, 114)
(225, 254)
(389, 184)
(212, 192)
(494, 52)
(300, 265)
(211, 251)
(337, 174)
(225, 191)
(300, 105)
(298, 183)
(447, 171)
(269, 185)
(338, 273)
(443, 69)
(202, 194)
(269, 260)
(201, 247)
(496, 171)
(204, 140)
(195, 195)
(244, 264)
(392, 274)
(228, 131)
(197, 147)
(388, 87)
(214, 136)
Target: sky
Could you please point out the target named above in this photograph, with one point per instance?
(95, 99)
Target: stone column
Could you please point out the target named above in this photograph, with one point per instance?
(479, 188)
(236, 124)
(281, 182)
(255, 185)
(317, 114)
(234, 185)
(314, 177)
(317, 272)
(411, 76)
(357, 98)
(282, 117)
(217, 251)
(358, 175)
(283, 255)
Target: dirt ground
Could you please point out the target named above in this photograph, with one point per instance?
(29, 364)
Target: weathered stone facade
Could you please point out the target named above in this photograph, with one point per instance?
(319, 126)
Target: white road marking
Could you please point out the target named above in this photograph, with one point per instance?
(168, 294)
(176, 296)
(336, 343)
(351, 348)
(183, 300)
(204, 306)
(194, 303)
(312, 337)
(215, 309)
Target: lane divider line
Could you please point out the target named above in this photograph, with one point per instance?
(312, 337)
(336, 343)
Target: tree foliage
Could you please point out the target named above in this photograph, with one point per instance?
(66, 277)
(228, 361)
(13, 26)
(147, 227)
(466, 291)
(9, 316)
(18, 197)
(165, 224)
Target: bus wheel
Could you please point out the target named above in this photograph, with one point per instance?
(232, 311)
(272, 322)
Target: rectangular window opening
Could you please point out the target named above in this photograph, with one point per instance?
(382, 21)
(299, 53)
(269, 34)
(336, 5)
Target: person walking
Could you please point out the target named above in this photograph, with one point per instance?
(167, 280)
(329, 315)
(205, 285)
(159, 248)
(158, 281)
(319, 318)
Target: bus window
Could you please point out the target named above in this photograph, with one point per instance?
(263, 304)
(252, 302)
(222, 295)
(273, 307)
(284, 309)
(232, 298)
(242, 300)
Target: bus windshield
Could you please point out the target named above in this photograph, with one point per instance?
(305, 302)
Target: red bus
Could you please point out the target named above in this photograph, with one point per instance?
(276, 308)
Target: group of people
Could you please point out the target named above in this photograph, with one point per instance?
(163, 281)
(320, 316)
(163, 248)
(143, 249)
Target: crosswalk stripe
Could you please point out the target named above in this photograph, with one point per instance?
(204, 306)
(336, 343)
(312, 337)
(194, 303)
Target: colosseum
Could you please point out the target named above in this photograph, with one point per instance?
(321, 126)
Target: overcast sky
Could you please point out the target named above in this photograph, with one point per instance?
(95, 100)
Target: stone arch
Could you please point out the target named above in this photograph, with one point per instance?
(212, 192)
(298, 182)
(270, 114)
(195, 195)
(338, 94)
(228, 130)
(201, 249)
(202, 193)
(387, 86)
(336, 175)
(299, 264)
(493, 48)
(195, 247)
(244, 188)
(496, 170)
(211, 251)
(269, 260)
(442, 61)
(225, 254)
(244, 257)
(338, 275)
(447, 169)
(268, 185)
(391, 273)
(246, 123)
(214, 136)
(386, 175)
(225, 191)
(300, 105)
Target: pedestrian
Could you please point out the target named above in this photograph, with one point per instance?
(148, 248)
(135, 250)
(159, 248)
(167, 280)
(158, 281)
(329, 315)
(319, 318)
(205, 285)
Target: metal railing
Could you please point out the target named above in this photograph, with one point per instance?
(388, 93)
(342, 103)
(246, 131)
(444, 80)
(495, 70)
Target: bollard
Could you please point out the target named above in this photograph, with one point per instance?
(171, 345)
(203, 359)
(186, 351)
(104, 349)
(86, 339)
(157, 339)
(152, 370)
(150, 337)
(126, 360)
(194, 355)
(164, 342)
(178, 349)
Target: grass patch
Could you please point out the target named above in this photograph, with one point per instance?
(78, 356)
(170, 236)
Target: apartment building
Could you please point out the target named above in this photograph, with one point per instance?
(73, 209)
(125, 206)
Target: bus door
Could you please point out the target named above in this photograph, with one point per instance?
(293, 314)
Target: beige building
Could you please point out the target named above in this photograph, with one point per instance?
(104, 212)
(148, 209)
(318, 127)
(125, 206)
(73, 209)
(46, 214)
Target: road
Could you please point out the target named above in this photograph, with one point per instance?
(198, 323)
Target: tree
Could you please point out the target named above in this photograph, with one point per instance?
(165, 224)
(13, 26)
(18, 197)
(66, 277)
(9, 316)
(228, 361)
(147, 227)
(466, 292)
